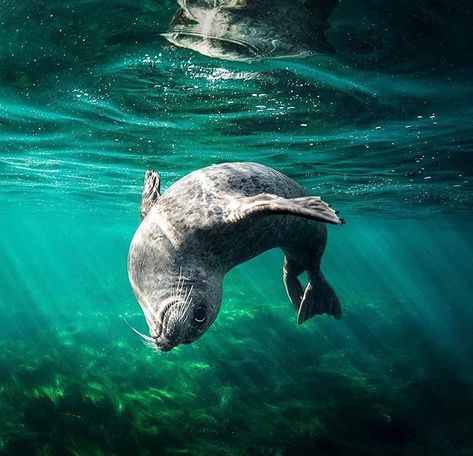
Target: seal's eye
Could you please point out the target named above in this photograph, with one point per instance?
(200, 315)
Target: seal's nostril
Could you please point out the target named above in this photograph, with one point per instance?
(165, 347)
(171, 334)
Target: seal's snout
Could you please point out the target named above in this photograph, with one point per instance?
(164, 346)
(172, 335)
(169, 338)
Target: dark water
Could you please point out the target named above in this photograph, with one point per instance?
(91, 96)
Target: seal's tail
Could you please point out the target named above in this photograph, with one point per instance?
(319, 298)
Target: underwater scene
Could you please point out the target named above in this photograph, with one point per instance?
(368, 105)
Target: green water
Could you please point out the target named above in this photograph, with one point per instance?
(91, 96)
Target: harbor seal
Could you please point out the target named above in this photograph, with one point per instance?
(210, 221)
(252, 29)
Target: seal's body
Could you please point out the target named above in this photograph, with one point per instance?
(252, 29)
(208, 222)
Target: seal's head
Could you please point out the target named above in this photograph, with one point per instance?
(179, 301)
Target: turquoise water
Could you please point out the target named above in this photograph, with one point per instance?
(91, 96)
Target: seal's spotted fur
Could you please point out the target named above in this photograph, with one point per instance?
(208, 222)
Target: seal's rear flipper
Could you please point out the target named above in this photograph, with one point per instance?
(319, 298)
(294, 289)
(311, 207)
(150, 192)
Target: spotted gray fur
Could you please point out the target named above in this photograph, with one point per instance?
(207, 223)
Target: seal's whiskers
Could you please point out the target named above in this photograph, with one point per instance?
(146, 339)
(186, 302)
(153, 346)
(180, 284)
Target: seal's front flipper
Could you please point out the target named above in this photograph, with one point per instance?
(319, 298)
(311, 207)
(150, 192)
